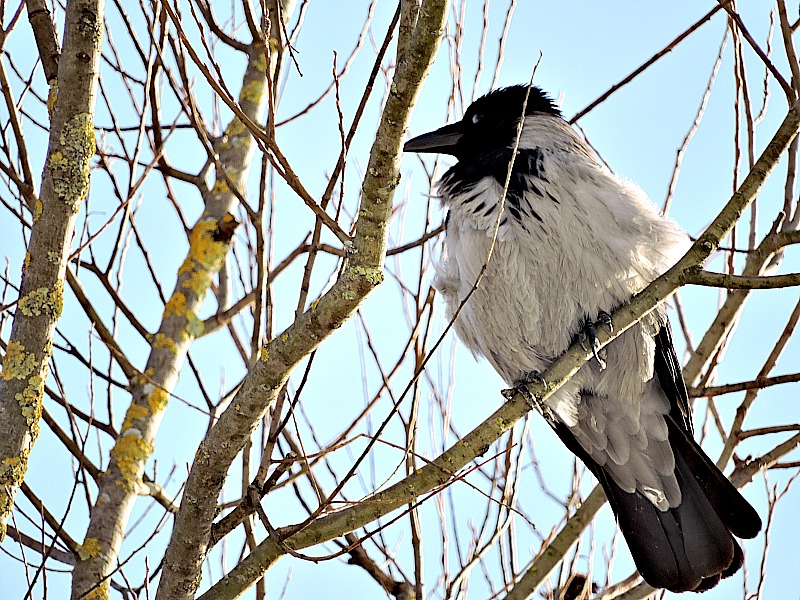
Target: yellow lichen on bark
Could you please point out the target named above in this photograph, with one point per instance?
(193, 326)
(130, 451)
(89, 548)
(206, 254)
(158, 400)
(52, 96)
(30, 401)
(135, 412)
(101, 592)
(12, 472)
(176, 305)
(19, 364)
(198, 282)
(164, 341)
(221, 187)
(205, 249)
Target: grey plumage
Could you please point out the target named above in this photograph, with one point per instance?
(575, 241)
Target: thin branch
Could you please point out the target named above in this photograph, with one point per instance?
(648, 63)
(729, 281)
(756, 384)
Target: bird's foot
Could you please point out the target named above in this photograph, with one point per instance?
(521, 388)
(521, 384)
(605, 319)
(588, 332)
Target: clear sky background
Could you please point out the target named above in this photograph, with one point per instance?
(586, 46)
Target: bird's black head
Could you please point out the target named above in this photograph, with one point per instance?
(489, 124)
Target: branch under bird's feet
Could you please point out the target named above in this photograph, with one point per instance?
(521, 387)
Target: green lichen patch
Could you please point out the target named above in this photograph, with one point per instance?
(373, 275)
(69, 165)
(252, 91)
(18, 364)
(194, 326)
(260, 63)
(235, 129)
(30, 402)
(43, 301)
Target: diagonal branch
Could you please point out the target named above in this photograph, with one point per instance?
(209, 242)
(363, 271)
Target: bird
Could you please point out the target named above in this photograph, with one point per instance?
(573, 243)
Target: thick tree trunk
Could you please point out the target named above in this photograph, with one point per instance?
(65, 183)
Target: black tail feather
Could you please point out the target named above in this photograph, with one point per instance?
(681, 549)
(736, 512)
(690, 547)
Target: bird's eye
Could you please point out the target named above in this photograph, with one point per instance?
(475, 118)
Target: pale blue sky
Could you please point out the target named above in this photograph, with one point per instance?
(586, 46)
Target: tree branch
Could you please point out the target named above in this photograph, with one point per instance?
(65, 184)
(760, 383)
(698, 276)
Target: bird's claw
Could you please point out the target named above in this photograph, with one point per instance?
(521, 388)
(605, 319)
(588, 332)
(532, 377)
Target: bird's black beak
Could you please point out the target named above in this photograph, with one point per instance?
(444, 140)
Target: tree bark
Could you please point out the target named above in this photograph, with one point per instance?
(209, 243)
(65, 183)
(187, 550)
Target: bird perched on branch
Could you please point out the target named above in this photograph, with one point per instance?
(574, 242)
